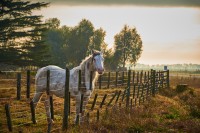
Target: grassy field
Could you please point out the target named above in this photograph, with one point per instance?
(171, 110)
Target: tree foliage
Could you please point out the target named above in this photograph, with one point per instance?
(128, 46)
(69, 45)
(20, 33)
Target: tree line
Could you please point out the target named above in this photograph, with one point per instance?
(25, 40)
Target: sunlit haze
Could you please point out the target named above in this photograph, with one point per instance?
(170, 35)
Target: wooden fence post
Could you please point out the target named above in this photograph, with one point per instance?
(116, 79)
(50, 97)
(145, 77)
(8, 116)
(81, 105)
(153, 82)
(123, 95)
(118, 96)
(32, 112)
(88, 118)
(141, 76)
(69, 102)
(91, 74)
(134, 87)
(28, 84)
(108, 83)
(51, 107)
(131, 103)
(138, 91)
(122, 78)
(97, 115)
(112, 98)
(133, 77)
(142, 90)
(48, 82)
(66, 101)
(18, 86)
(137, 77)
(168, 79)
(103, 100)
(128, 89)
(94, 101)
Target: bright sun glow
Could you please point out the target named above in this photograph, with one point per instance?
(170, 35)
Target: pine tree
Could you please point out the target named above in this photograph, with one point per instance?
(20, 33)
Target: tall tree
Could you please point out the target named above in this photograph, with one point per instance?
(128, 46)
(20, 33)
(97, 40)
(79, 41)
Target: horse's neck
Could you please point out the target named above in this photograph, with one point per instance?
(87, 71)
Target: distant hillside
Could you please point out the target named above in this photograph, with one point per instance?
(172, 67)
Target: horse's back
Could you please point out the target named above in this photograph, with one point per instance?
(56, 73)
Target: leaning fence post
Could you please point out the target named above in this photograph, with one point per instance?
(118, 96)
(108, 84)
(8, 116)
(66, 102)
(168, 79)
(28, 77)
(94, 102)
(32, 112)
(103, 100)
(18, 86)
(112, 98)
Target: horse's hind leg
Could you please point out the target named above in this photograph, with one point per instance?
(36, 98)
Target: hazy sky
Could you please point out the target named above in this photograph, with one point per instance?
(170, 31)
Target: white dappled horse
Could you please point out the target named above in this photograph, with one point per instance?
(94, 63)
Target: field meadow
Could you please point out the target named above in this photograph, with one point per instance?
(171, 110)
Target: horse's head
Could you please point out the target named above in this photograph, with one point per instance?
(98, 61)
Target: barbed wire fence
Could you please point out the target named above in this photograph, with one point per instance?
(19, 111)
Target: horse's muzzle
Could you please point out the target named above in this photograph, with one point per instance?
(100, 71)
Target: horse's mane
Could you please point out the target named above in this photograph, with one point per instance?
(85, 61)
